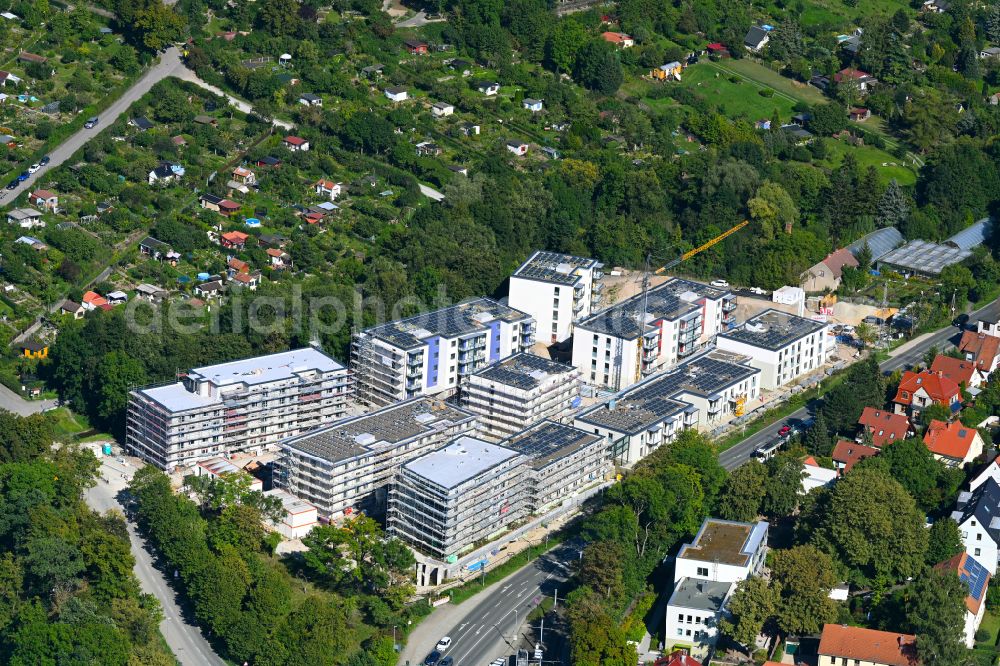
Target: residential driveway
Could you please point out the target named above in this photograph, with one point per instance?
(418, 20)
(185, 640)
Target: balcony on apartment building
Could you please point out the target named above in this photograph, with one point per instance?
(468, 344)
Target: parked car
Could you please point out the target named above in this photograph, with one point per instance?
(91, 122)
(785, 431)
(432, 659)
(12, 185)
(721, 284)
(45, 160)
(23, 177)
(447, 661)
(757, 290)
(443, 644)
(500, 661)
(34, 167)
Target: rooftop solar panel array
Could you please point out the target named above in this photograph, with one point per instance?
(554, 267)
(450, 322)
(975, 575)
(357, 435)
(670, 300)
(523, 371)
(661, 396)
(548, 441)
(773, 330)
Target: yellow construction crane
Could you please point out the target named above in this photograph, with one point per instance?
(701, 248)
(618, 359)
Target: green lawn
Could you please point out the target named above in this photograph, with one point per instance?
(737, 99)
(782, 85)
(870, 156)
(65, 423)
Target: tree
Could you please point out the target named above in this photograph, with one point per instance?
(944, 541)
(893, 206)
(601, 568)
(116, 376)
(956, 283)
(992, 23)
(872, 526)
(935, 608)
(784, 480)
(912, 465)
(694, 449)
(803, 576)
(773, 208)
(279, 17)
(744, 492)
(753, 604)
(817, 439)
(866, 333)
(566, 39)
(598, 67)
(786, 42)
(595, 638)
(158, 25)
(827, 119)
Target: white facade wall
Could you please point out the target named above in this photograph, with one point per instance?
(979, 544)
(782, 366)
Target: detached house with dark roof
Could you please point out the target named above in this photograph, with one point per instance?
(978, 518)
(756, 39)
(919, 390)
(846, 454)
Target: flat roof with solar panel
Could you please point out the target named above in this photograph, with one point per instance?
(452, 322)
(555, 268)
(549, 441)
(773, 330)
(523, 370)
(671, 300)
(358, 435)
(662, 395)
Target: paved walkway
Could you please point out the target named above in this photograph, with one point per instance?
(185, 74)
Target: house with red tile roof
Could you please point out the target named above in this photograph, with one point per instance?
(846, 454)
(237, 265)
(864, 80)
(885, 427)
(247, 280)
(296, 143)
(964, 373)
(952, 443)
(279, 258)
(982, 349)
(827, 273)
(619, 39)
(919, 390)
(328, 189)
(678, 658)
(44, 199)
(841, 644)
(976, 577)
(92, 301)
(234, 239)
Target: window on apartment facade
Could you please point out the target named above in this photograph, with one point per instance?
(977, 552)
(703, 571)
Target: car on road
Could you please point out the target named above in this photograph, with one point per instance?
(785, 431)
(12, 185)
(23, 177)
(500, 661)
(34, 167)
(721, 284)
(443, 644)
(447, 661)
(91, 122)
(45, 160)
(432, 659)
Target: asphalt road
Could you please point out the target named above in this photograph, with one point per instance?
(488, 629)
(184, 639)
(946, 337)
(170, 65)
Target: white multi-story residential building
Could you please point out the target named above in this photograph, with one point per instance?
(430, 353)
(556, 289)
(521, 389)
(784, 346)
(446, 501)
(693, 613)
(696, 394)
(242, 405)
(347, 466)
(723, 551)
(562, 461)
(706, 572)
(978, 518)
(612, 350)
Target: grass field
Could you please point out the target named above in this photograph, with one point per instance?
(739, 99)
(760, 75)
(870, 156)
